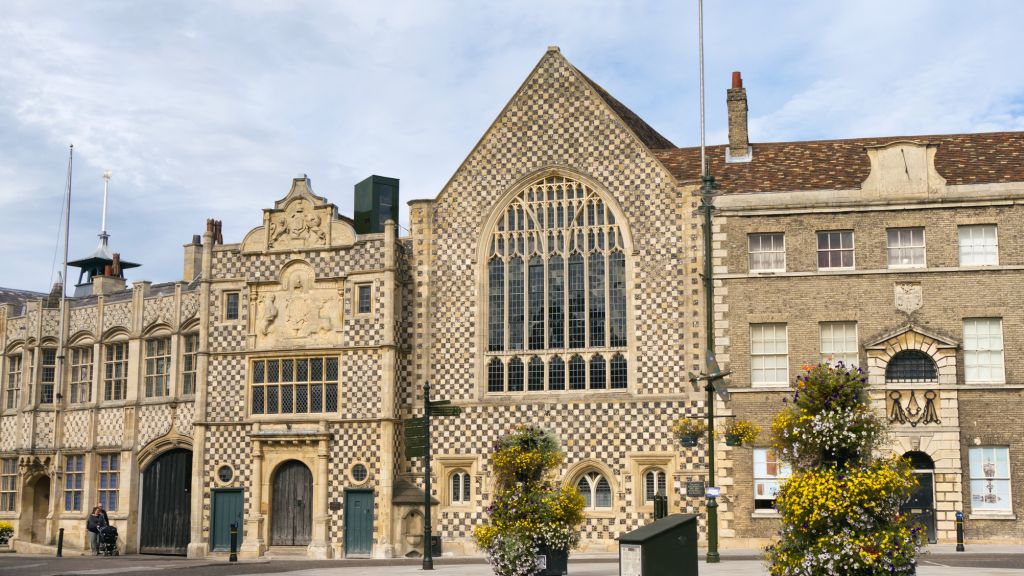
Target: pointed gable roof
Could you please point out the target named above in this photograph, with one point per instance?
(643, 131)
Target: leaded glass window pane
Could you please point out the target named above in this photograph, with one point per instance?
(620, 372)
(295, 385)
(598, 377)
(555, 279)
(911, 366)
(577, 373)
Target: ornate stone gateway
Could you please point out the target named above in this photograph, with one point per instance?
(291, 515)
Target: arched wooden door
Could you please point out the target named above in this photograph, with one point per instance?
(291, 514)
(166, 522)
(921, 504)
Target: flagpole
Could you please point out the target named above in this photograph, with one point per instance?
(61, 348)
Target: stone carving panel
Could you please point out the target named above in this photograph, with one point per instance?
(117, 315)
(909, 296)
(17, 328)
(82, 319)
(76, 429)
(44, 429)
(298, 311)
(300, 225)
(51, 323)
(154, 421)
(189, 305)
(158, 310)
(8, 433)
(110, 427)
(184, 417)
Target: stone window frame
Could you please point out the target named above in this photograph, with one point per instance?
(357, 291)
(833, 356)
(110, 380)
(638, 464)
(830, 250)
(8, 485)
(768, 255)
(1001, 378)
(901, 248)
(972, 478)
(350, 473)
(77, 365)
(12, 394)
(227, 295)
(293, 415)
(47, 373)
(184, 388)
(460, 495)
(74, 483)
(216, 474)
(622, 370)
(151, 376)
(106, 472)
(960, 229)
(449, 465)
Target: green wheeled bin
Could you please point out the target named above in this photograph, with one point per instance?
(667, 547)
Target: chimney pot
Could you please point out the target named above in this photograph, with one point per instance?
(737, 80)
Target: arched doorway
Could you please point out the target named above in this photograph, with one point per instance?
(35, 506)
(921, 504)
(165, 526)
(291, 513)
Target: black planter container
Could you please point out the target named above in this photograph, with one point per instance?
(557, 562)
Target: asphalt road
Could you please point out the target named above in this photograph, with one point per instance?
(931, 564)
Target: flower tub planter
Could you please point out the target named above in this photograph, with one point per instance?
(733, 440)
(688, 441)
(555, 562)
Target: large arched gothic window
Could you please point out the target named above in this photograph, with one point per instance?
(556, 292)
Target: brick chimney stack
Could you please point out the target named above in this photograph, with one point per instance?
(739, 149)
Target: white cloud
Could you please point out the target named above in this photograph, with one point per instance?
(208, 109)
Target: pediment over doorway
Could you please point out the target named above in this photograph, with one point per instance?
(911, 334)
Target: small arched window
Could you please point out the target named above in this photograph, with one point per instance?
(460, 487)
(596, 491)
(911, 366)
(654, 484)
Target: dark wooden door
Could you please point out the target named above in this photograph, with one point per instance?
(291, 515)
(227, 510)
(166, 504)
(358, 522)
(921, 505)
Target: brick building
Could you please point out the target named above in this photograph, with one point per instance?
(552, 281)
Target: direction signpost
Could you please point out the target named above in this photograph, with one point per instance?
(417, 445)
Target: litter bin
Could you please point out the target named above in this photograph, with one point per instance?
(667, 547)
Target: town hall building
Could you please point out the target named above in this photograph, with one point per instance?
(553, 281)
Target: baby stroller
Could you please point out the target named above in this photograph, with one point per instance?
(108, 541)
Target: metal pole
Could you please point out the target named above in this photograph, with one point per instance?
(60, 543)
(959, 531)
(428, 559)
(707, 189)
(233, 555)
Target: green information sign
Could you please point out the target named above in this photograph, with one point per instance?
(415, 437)
(445, 411)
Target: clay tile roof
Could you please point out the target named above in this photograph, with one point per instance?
(989, 158)
(649, 136)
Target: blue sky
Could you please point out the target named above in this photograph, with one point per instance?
(209, 108)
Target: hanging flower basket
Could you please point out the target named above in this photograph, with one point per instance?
(689, 441)
(738, 432)
(689, 430)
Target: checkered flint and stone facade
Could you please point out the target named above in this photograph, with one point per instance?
(554, 282)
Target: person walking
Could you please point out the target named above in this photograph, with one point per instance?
(97, 519)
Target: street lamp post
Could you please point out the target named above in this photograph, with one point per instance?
(707, 194)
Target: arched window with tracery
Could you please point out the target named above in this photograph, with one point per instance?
(555, 268)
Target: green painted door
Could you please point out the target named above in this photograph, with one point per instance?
(227, 508)
(358, 522)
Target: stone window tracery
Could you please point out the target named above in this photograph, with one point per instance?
(13, 381)
(555, 276)
(294, 386)
(596, 491)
